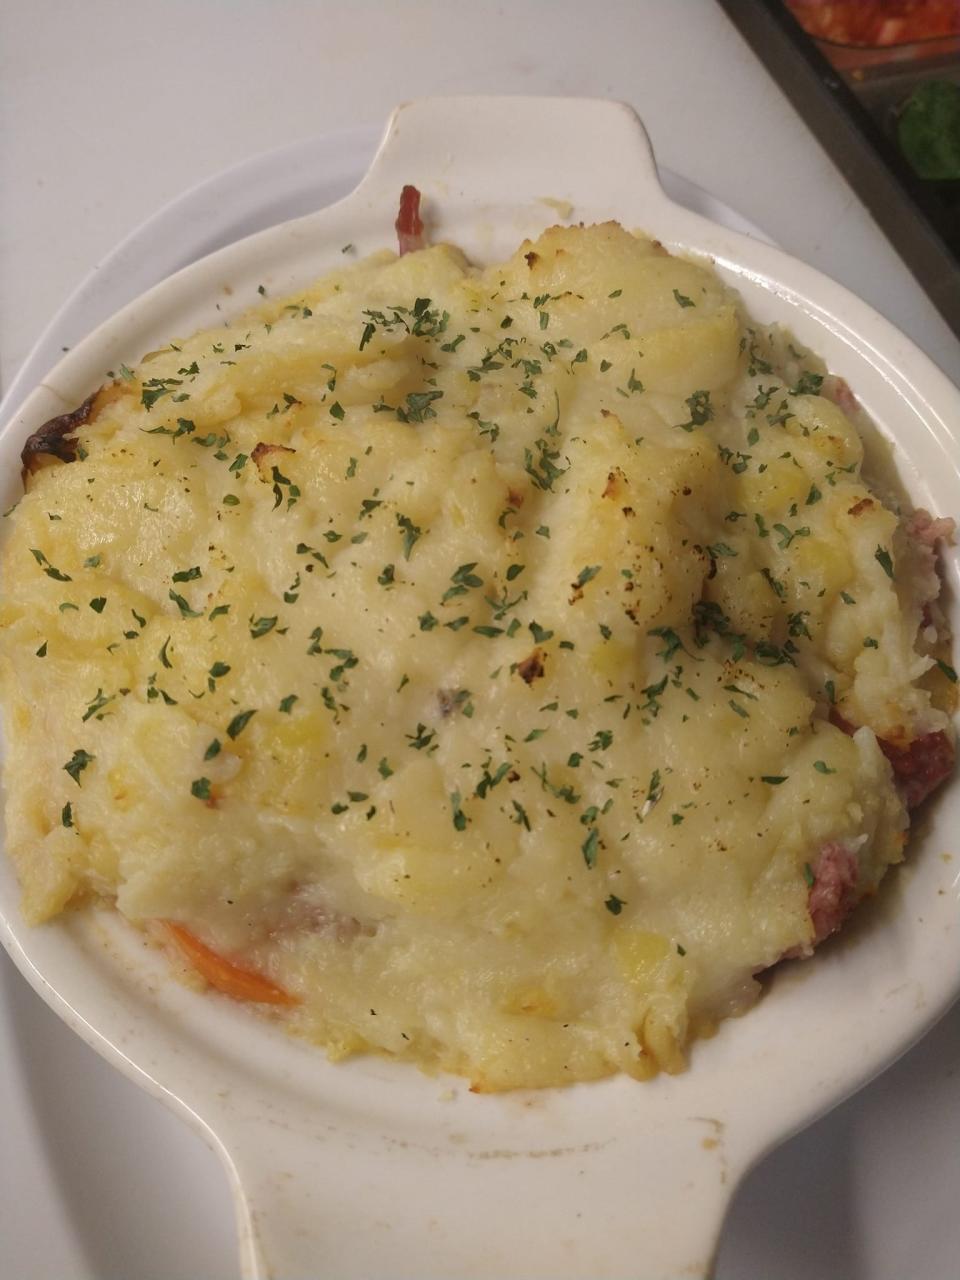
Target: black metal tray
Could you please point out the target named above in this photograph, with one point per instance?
(852, 112)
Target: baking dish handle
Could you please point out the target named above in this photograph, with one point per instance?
(568, 145)
(372, 1208)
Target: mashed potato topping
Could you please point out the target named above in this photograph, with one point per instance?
(468, 662)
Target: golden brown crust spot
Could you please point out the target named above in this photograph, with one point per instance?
(616, 483)
(264, 450)
(859, 507)
(532, 667)
(54, 442)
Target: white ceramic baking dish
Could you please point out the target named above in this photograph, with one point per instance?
(369, 1169)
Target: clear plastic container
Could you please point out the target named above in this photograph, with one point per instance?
(867, 38)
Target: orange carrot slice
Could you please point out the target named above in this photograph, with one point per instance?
(232, 979)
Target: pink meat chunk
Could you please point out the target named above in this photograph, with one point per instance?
(833, 894)
(409, 224)
(921, 765)
(928, 530)
(838, 390)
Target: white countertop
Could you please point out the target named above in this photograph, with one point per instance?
(111, 109)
